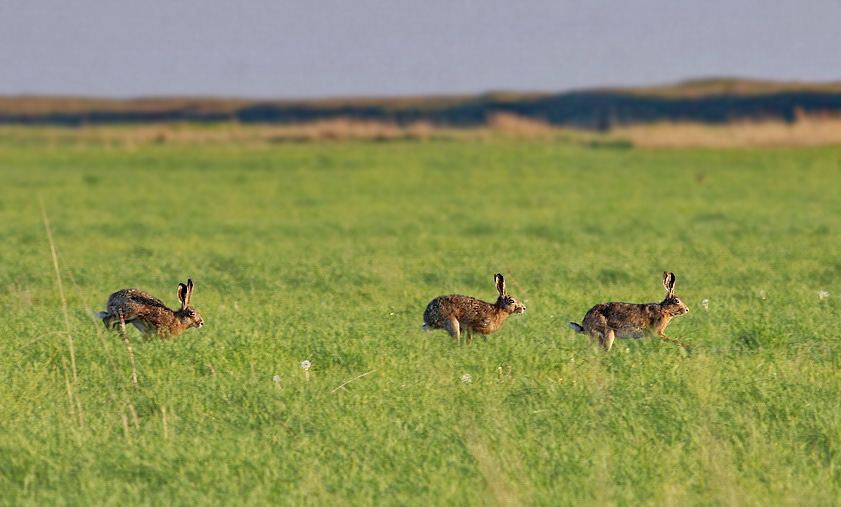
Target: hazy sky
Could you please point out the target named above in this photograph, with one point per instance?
(316, 48)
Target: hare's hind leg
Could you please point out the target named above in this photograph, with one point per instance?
(607, 339)
(604, 337)
(114, 321)
(108, 321)
(452, 327)
(595, 324)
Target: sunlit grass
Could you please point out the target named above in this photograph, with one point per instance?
(329, 252)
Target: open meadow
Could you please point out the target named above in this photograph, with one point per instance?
(329, 251)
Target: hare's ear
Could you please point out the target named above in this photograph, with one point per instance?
(500, 284)
(182, 295)
(189, 292)
(669, 283)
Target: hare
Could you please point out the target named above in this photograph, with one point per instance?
(148, 314)
(607, 321)
(456, 313)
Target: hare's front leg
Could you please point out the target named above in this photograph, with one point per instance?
(664, 337)
(141, 326)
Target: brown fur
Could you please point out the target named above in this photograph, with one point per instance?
(608, 321)
(456, 313)
(148, 313)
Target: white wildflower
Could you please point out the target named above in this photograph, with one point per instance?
(306, 365)
(276, 378)
(762, 294)
(823, 294)
(705, 303)
(467, 378)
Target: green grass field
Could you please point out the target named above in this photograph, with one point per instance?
(329, 252)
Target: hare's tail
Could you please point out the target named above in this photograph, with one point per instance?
(575, 327)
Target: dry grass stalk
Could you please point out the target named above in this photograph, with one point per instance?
(166, 428)
(76, 410)
(132, 411)
(125, 425)
(60, 289)
(81, 411)
(96, 324)
(71, 403)
(130, 351)
(351, 380)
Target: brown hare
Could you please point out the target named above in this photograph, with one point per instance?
(608, 321)
(148, 314)
(456, 313)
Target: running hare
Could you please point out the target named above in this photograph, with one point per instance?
(456, 313)
(607, 321)
(148, 314)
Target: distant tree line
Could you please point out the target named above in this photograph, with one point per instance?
(589, 109)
